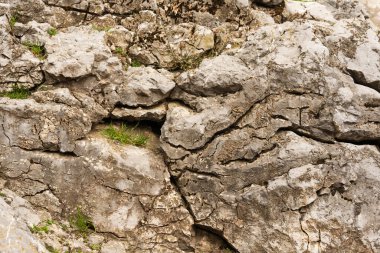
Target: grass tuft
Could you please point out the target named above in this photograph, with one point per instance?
(51, 249)
(95, 246)
(3, 195)
(52, 31)
(12, 21)
(119, 50)
(135, 63)
(81, 222)
(125, 135)
(40, 229)
(16, 93)
(37, 49)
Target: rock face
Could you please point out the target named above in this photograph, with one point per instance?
(15, 235)
(263, 126)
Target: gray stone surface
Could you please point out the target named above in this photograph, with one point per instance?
(73, 53)
(15, 236)
(270, 130)
(144, 86)
(155, 113)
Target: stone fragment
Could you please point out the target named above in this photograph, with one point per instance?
(144, 86)
(155, 113)
(72, 54)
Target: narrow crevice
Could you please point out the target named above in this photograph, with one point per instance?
(251, 160)
(174, 183)
(303, 131)
(187, 205)
(375, 142)
(218, 234)
(227, 129)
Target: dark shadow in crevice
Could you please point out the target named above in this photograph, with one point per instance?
(226, 244)
(153, 126)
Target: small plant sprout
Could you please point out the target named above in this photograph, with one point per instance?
(135, 63)
(12, 21)
(95, 246)
(52, 31)
(125, 135)
(81, 222)
(119, 51)
(42, 228)
(37, 49)
(3, 195)
(16, 93)
(51, 249)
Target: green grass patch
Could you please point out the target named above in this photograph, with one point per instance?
(119, 50)
(37, 49)
(95, 246)
(16, 93)
(81, 222)
(135, 63)
(52, 31)
(51, 249)
(12, 21)
(39, 229)
(3, 195)
(126, 135)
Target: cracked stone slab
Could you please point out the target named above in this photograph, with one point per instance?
(265, 197)
(140, 204)
(30, 125)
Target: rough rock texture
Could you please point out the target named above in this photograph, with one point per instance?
(262, 119)
(14, 232)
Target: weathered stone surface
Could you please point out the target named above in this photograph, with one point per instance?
(309, 10)
(144, 86)
(15, 236)
(17, 64)
(139, 204)
(271, 125)
(365, 68)
(72, 54)
(178, 45)
(113, 247)
(155, 113)
(30, 125)
(222, 75)
(373, 7)
(266, 179)
(252, 194)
